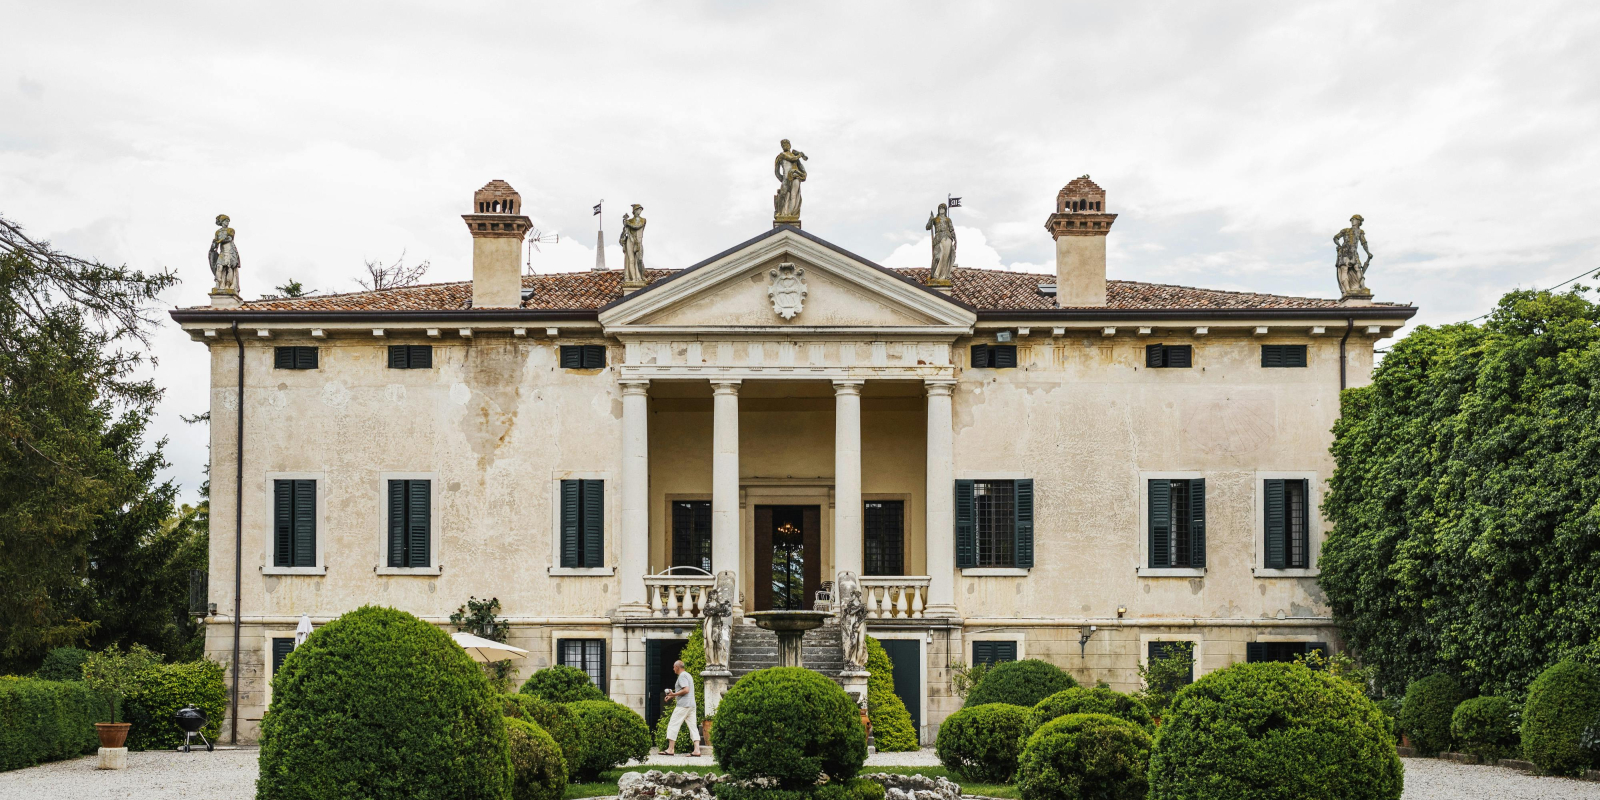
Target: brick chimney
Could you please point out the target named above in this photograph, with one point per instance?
(1079, 227)
(497, 227)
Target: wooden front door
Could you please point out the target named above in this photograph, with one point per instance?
(788, 556)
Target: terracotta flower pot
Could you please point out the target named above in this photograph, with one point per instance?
(112, 734)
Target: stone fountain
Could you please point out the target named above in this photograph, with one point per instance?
(790, 626)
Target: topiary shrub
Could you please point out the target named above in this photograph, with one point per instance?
(538, 770)
(694, 661)
(892, 730)
(161, 690)
(562, 684)
(1020, 683)
(1425, 712)
(981, 743)
(1563, 703)
(1095, 700)
(1273, 731)
(789, 724)
(613, 735)
(46, 721)
(1483, 726)
(379, 704)
(558, 720)
(1082, 756)
(62, 664)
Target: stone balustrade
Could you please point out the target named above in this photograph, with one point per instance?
(678, 592)
(895, 596)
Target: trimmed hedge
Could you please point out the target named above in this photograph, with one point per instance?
(613, 735)
(379, 704)
(165, 688)
(47, 721)
(982, 743)
(1083, 756)
(789, 724)
(562, 684)
(891, 722)
(62, 664)
(538, 770)
(1563, 702)
(558, 720)
(1273, 731)
(1425, 712)
(1483, 726)
(1093, 700)
(1020, 683)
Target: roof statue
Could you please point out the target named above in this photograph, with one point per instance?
(944, 246)
(224, 258)
(790, 172)
(1351, 270)
(632, 242)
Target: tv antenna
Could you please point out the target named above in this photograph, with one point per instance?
(534, 238)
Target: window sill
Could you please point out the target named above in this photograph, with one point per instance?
(582, 572)
(1263, 572)
(294, 570)
(1171, 572)
(994, 572)
(423, 572)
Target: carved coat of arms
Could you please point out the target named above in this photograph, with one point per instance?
(788, 290)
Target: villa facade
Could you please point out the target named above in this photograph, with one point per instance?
(1019, 465)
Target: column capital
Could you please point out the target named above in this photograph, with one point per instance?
(725, 387)
(631, 387)
(939, 388)
(847, 386)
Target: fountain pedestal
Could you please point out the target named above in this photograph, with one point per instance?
(791, 627)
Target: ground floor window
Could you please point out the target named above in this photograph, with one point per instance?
(282, 646)
(588, 655)
(1159, 650)
(1257, 652)
(991, 653)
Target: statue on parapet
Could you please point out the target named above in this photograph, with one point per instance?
(719, 620)
(1351, 270)
(632, 242)
(944, 246)
(852, 621)
(224, 258)
(789, 169)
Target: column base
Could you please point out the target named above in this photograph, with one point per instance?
(113, 758)
(940, 611)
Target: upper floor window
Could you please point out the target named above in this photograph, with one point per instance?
(583, 356)
(583, 519)
(410, 356)
(691, 534)
(294, 358)
(994, 356)
(1283, 355)
(1287, 524)
(410, 523)
(1177, 523)
(1168, 356)
(994, 523)
(294, 523)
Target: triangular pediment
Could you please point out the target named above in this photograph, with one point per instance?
(828, 288)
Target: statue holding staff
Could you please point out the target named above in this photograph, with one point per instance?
(944, 246)
(224, 258)
(632, 242)
(1351, 270)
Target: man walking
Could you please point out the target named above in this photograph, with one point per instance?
(684, 712)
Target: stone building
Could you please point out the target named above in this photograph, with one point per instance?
(1020, 465)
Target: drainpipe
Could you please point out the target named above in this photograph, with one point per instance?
(238, 536)
(1349, 325)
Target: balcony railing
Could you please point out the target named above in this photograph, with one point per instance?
(678, 592)
(894, 596)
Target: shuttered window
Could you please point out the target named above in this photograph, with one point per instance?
(294, 358)
(991, 653)
(410, 356)
(994, 523)
(1287, 524)
(994, 356)
(282, 646)
(691, 534)
(1286, 652)
(1168, 356)
(1274, 356)
(1177, 523)
(410, 523)
(294, 523)
(583, 356)
(883, 537)
(1167, 650)
(583, 521)
(588, 655)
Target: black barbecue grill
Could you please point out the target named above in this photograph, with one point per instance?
(191, 720)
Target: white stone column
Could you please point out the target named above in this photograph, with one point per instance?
(634, 559)
(940, 516)
(725, 478)
(847, 477)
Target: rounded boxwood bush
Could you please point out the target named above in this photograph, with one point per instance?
(538, 770)
(558, 720)
(1269, 731)
(1563, 702)
(981, 743)
(790, 724)
(613, 734)
(1082, 756)
(1483, 726)
(379, 704)
(62, 664)
(1425, 712)
(562, 684)
(892, 730)
(1020, 683)
(1093, 700)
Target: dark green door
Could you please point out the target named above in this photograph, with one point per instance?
(658, 677)
(907, 657)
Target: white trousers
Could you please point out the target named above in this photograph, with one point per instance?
(680, 717)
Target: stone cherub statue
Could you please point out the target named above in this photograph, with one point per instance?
(224, 258)
(944, 246)
(790, 172)
(632, 242)
(1352, 271)
(719, 620)
(852, 620)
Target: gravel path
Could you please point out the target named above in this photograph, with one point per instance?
(231, 775)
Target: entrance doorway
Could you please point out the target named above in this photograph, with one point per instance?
(906, 655)
(788, 556)
(659, 654)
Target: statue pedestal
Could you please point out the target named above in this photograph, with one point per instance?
(715, 682)
(778, 222)
(855, 684)
(225, 300)
(629, 287)
(1363, 299)
(942, 287)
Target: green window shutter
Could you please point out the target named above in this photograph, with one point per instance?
(594, 356)
(571, 357)
(421, 356)
(305, 358)
(282, 523)
(1004, 651)
(982, 653)
(419, 523)
(1197, 523)
(1003, 356)
(1160, 523)
(966, 527)
(282, 646)
(1271, 355)
(1294, 355)
(594, 518)
(570, 513)
(1277, 536)
(397, 523)
(305, 524)
(1179, 356)
(283, 358)
(1255, 652)
(1153, 356)
(1024, 522)
(980, 356)
(399, 357)
(1313, 647)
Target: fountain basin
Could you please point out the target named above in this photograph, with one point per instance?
(790, 627)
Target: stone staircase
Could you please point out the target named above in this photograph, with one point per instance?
(754, 648)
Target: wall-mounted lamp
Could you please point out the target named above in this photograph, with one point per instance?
(1003, 336)
(1083, 639)
(1121, 610)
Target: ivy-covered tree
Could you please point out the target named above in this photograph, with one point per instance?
(1465, 499)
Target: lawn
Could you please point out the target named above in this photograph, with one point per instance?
(607, 785)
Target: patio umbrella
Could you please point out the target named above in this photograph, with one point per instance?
(302, 630)
(486, 650)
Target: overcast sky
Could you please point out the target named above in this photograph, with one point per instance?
(1233, 139)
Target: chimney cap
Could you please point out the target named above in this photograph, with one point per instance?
(496, 197)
